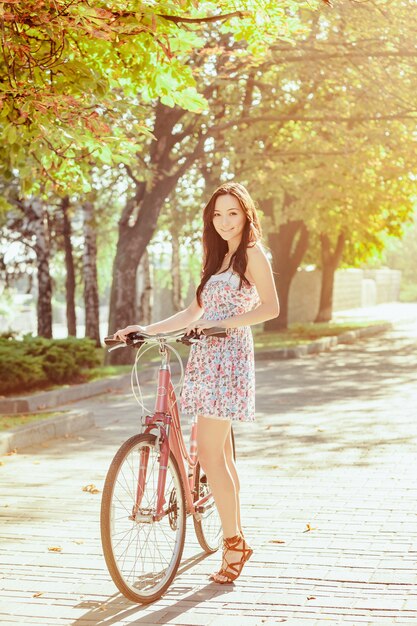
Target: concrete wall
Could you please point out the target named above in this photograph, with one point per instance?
(387, 284)
(304, 296)
(353, 288)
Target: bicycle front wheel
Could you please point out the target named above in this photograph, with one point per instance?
(142, 555)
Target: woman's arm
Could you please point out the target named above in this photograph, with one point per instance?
(260, 270)
(180, 320)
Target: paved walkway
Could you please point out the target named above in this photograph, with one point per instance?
(329, 500)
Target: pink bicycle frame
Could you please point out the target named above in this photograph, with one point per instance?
(166, 419)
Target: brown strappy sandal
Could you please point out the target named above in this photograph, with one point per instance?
(231, 544)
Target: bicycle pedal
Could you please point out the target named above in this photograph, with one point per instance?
(205, 507)
(144, 516)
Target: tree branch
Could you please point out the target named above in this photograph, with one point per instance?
(315, 118)
(130, 174)
(201, 20)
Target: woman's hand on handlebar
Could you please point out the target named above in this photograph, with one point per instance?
(124, 332)
(199, 325)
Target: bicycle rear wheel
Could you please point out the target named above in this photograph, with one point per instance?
(208, 526)
(142, 555)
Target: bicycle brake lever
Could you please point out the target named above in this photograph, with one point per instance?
(186, 339)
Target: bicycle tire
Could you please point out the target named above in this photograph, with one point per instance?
(132, 582)
(208, 531)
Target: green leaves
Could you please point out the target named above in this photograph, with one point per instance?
(78, 77)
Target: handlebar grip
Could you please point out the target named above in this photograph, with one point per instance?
(110, 341)
(130, 339)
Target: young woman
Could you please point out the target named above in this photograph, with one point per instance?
(237, 289)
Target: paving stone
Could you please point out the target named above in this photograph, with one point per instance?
(333, 447)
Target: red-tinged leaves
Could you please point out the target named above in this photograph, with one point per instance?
(39, 106)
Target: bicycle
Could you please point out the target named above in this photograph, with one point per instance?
(154, 483)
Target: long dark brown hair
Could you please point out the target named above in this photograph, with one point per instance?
(215, 247)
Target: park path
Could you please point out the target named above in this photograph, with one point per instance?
(328, 492)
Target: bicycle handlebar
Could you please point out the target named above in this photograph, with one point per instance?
(138, 338)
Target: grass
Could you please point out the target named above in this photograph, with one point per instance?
(13, 421)
(105, 371)
(298, 334)
(408, 292)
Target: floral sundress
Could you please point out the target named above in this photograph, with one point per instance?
(219, 379)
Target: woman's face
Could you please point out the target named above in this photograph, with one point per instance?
(229, 219)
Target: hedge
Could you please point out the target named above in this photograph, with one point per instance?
(36, 361)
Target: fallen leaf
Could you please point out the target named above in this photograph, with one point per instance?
(309, 527)
(91, 489)
(37, 595)
(55, 549)
(79, 542)
(14, 451)
(1, 462)
(311, 597)
(277, 541)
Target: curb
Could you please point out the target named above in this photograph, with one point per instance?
(59, 397)
(41, 431)
(324, 344)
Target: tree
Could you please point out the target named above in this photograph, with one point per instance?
(330, 122)
(91, 297)
(31, 222)
(180, 140)
(70, 270)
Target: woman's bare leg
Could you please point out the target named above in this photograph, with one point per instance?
(216, 457)
(212, 436)
(228, 451)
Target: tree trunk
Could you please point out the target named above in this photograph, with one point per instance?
(131, 245)
(177, 301)
(144, 288)
(330, 262)
(91, 299)
(139, 219)
(37, 224)
(287, 253)
(69, 264)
